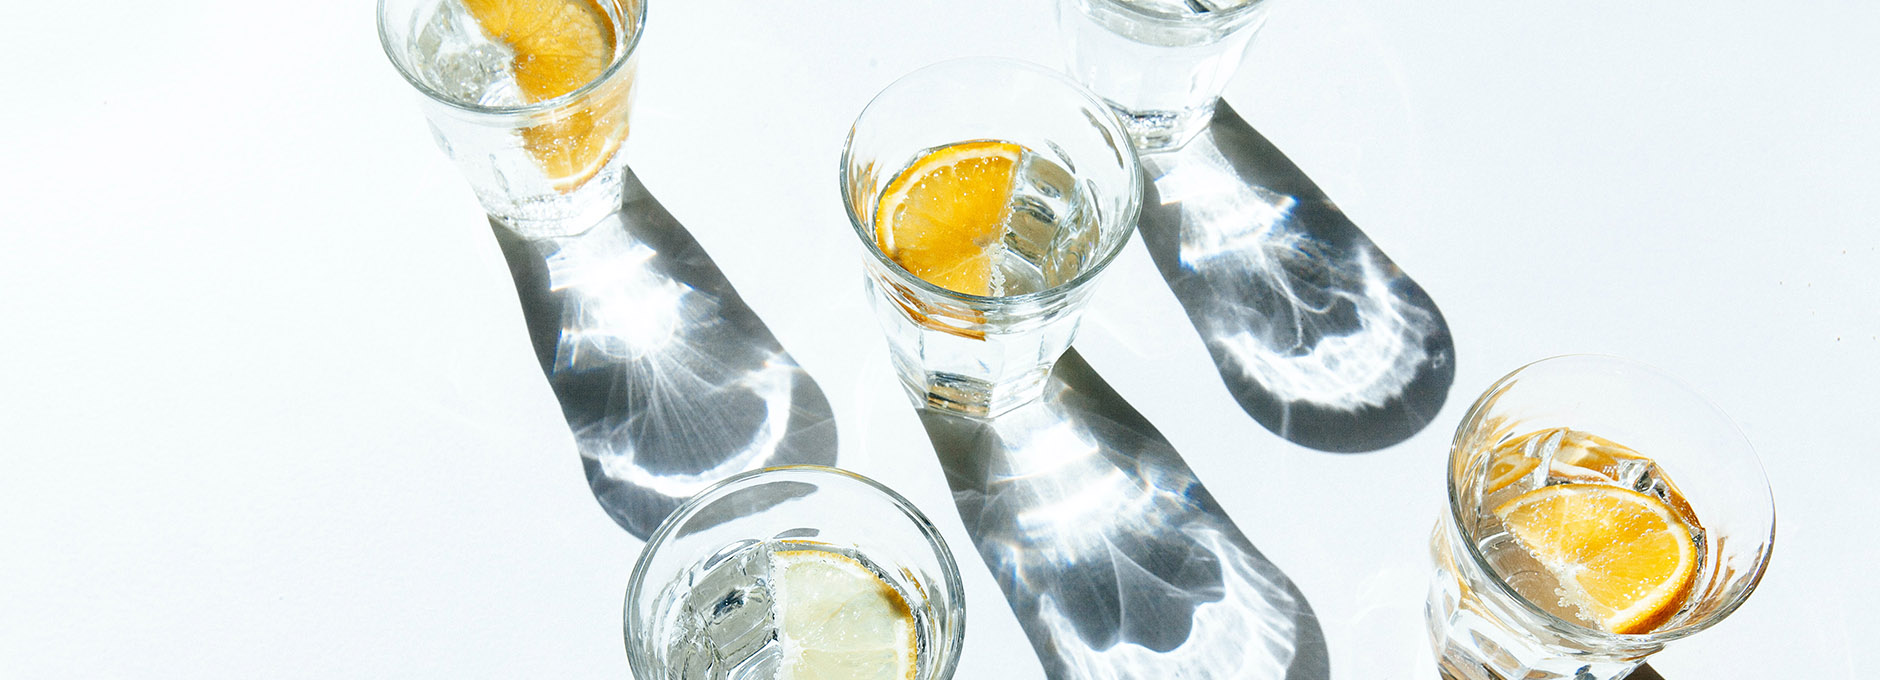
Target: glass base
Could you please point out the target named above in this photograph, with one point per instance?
(973, 397)
(1474, 639)
(1153, 131)
(978, 363)
(561, 214)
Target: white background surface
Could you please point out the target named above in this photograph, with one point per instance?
(267, 407)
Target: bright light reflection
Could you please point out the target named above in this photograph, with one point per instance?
(1241, 219)
(625, 308)
(1050, 448)
(1070, 515)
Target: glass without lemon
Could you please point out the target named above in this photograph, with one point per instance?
(1160, 63)
(799, 572)
(989, 196)
(530, 98)
(1598, 510)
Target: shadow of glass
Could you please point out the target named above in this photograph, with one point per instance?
(1644, 672)
(1116, 560)
(1317, 334)
(668, 380)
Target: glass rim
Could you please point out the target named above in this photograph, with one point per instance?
(1107, 120)
(1474, 552)
(627, 52)
(950, 572)
(1204, 18)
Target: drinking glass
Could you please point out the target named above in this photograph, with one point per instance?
(552, 167)
(699, 602)
(1160, 63)
(1074, 205)
(1490, 613)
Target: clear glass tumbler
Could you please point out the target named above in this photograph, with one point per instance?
(1160, 63)
(542, 166)
(1076, 194)
(713, 594)
(1576, 427)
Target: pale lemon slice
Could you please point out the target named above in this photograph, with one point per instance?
(942, 218)
(840, 621)
(1625, 559)
(560, 46)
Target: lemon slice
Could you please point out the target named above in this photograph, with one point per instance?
(1624, 559)
(943, 217)
(839, 620)
(560, 46)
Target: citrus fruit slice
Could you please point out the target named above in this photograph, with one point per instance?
(560, 46)
(943, 217)
(839, 620)
(1624, 559)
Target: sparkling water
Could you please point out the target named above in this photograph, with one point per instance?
(1050, 229)
(1564, 456)
(505, 154)
(719, 620)
(1051, 234)
(454, 56)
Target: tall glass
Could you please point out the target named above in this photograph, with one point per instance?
(1494, 611)
(1160, 63)
(705, 599)
(1074, 204)
(543, 167)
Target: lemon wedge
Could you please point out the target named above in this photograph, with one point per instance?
(561, 46)
(943, 217)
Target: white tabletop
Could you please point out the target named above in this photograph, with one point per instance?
(268, 407)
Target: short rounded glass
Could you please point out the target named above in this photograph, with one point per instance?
(1482, 624)
(698, 603)
(1076, 195)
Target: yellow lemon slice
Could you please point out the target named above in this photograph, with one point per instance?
(560, 46)
(942, 218)
(1624, 559)
(840, 621)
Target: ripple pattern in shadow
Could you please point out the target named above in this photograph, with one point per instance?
(1317, 334)
(1116, 560)
(668, 380)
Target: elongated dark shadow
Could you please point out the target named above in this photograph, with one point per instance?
(1316, 333)
(668, 380)
(1117, 561)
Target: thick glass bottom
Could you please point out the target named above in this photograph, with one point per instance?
(558, 214)
(1153, 131)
